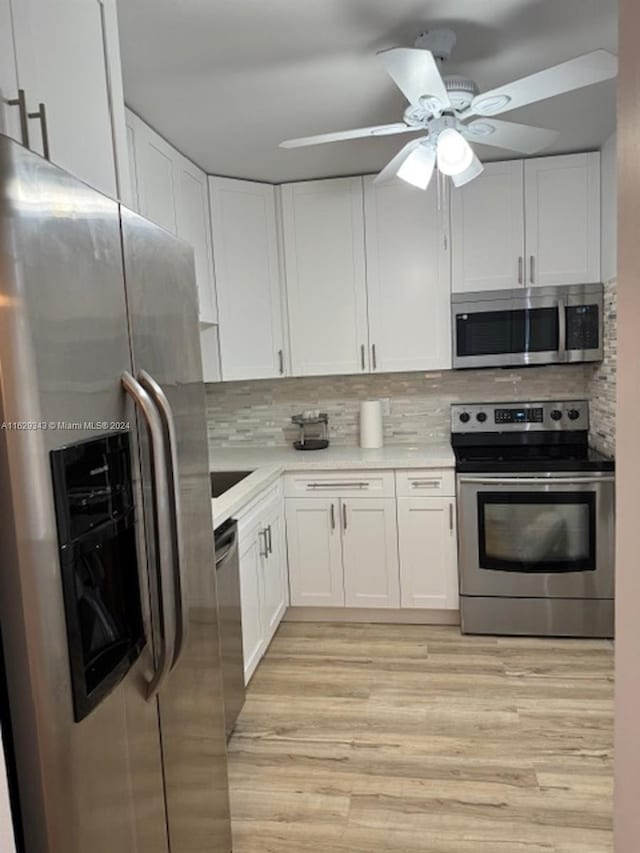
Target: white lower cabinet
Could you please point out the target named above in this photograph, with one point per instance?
(315, 552)
(343, 552)
(263, 580)
(370, 552)
(428, 553)
(350, 549)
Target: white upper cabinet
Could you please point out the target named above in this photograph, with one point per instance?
(323, 231)
(156, 172)
(63, 61)
(370, 552)
(172, 191)
(408, 277)
(562, 216)
(245, 251)
(487, 225)
(194, 227)
(528, 223)
(9, 115)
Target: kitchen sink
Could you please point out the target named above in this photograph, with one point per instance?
(222, 481)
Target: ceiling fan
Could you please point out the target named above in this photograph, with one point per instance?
(443, 106)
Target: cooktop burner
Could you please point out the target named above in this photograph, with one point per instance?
(524, 437)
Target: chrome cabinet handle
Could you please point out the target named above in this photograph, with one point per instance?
(162, 522)
(41, 113)
(180, 582)
(270, 539)
(451, 516)
(21, 103)
(532, 276)
(264, 554)
(520, 270)
(374, 358)
(362, 366)
(281, 362)
(342, 485)
(425, 484)
(333, 517)
(344, 517)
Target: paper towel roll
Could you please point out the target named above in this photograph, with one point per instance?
(371, 424)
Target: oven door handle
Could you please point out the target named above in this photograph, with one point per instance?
(537, 481)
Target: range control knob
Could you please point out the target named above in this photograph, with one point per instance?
(481, 417)
(465, 417)
(556, 414)
(573, 414)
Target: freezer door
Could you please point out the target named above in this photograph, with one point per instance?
(95, 785)
(163, 320)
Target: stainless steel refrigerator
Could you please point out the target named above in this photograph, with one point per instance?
(108, 612)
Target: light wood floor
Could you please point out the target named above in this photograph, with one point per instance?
(412, 739)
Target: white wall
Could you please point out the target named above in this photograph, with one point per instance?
(609, 197)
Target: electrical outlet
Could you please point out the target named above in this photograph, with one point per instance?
(386, 405)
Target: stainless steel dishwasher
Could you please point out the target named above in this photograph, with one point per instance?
(230, 621)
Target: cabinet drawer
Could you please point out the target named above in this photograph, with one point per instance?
(340, 484)
(425, 483)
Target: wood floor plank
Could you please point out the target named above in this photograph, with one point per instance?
(415, 739)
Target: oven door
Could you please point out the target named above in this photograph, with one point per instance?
(536, 536)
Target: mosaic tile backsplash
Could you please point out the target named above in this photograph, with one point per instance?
(259, 413)
(602, 385)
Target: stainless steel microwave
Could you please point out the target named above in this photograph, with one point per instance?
(528, 326)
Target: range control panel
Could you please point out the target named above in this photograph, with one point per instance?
(520, 417)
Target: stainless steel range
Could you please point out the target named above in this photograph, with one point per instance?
(535, 520)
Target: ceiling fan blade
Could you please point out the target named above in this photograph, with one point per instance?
(376, 130)
(508, 134)
(576, 73)
(416, 73)
(476, 168)
(391, 169)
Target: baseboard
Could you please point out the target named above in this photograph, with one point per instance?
(372, 614)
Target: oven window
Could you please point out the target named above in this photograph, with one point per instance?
(537, 533)
(507, 332)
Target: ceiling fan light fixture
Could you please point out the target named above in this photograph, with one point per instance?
(491, 105)
(417, 169)
(455, 155)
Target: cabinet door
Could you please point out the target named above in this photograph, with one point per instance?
(9, 115)
(245, 253)
(428, 553)
(370, 552)
(156, 168)
(323, 231)
(274, 574)
(61, 62)
(251, 550)
(315, 552)
(487, 230)
(562, 215)
(131, 122)
(193, 222)
(408, 277)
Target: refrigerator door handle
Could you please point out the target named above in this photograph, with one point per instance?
(171, 456)
(162, 520)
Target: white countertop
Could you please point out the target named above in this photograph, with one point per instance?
(268, 463)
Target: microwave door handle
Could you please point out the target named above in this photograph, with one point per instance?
(562, 329)
(162, 522)
(171, 456)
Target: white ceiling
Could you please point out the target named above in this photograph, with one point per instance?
(226, 80)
